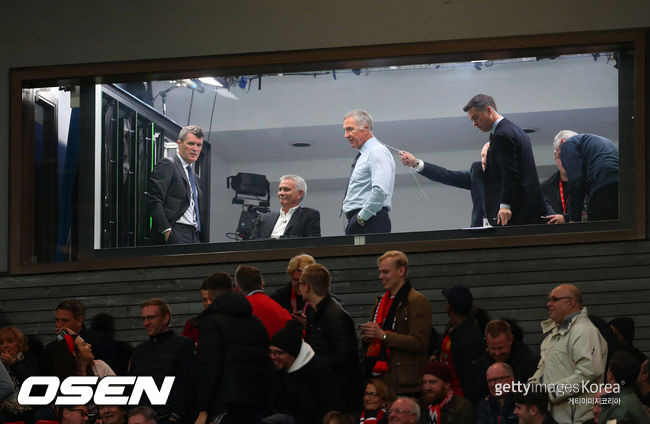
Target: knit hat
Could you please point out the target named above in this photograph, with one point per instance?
(438, 369)
(625, 326)
(289, 338)
(459, 298)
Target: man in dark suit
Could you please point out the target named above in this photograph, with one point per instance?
(174, 196)
(471, 180)
(591, 164)
(292, 220)
(512, 192)
(556, 195)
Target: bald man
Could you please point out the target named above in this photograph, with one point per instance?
(573, 356)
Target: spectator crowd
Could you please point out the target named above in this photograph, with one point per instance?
(296, 356)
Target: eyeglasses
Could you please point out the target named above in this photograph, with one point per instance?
(400, 411)
(554, 299)
(81, 412)
(371, 394)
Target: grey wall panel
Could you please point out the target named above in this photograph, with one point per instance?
(614, 279)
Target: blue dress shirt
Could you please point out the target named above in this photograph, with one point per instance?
(372, 180)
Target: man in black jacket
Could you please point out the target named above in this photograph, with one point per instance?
(233, 361)
(174, 197)
(503, 347)
(462, 342)
(165, 354)
(471, 180)
(330, 332)
(293, 220)
(512, 192)
(301, 386)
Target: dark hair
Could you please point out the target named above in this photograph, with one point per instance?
(481, 317)
(148, 413)
(340, 417)
(537, 398)
(73, 305)
(64, 363)
(59, 410)
(103, 323)
(217, 283)
(318, 278)
(480, 102)
(248, 278)
(624, 367)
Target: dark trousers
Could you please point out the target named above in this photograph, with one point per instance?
(183, 234)
(603, 203)
(380, 223)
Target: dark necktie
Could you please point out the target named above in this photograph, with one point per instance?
(195, 196)
(354, 162)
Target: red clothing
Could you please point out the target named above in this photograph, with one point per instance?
(273, 316)
(445, 358)
(191, 331)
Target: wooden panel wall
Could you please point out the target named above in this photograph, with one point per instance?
(614, 278)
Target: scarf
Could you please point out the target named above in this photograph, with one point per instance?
(379, 415)
(434, 410)
(377, 354)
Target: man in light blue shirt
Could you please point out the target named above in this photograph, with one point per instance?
(370, 188)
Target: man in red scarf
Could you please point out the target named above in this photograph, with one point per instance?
(439, 404)
(397, 336)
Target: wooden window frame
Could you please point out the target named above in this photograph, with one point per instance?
(631, 226)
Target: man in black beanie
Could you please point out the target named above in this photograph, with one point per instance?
(301, 387)
(462, 342)
(623, 328)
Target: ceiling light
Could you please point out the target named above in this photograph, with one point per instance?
(211, 81)
(301, 144)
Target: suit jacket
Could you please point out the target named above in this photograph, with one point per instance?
(305, 222)
(511, 176)
(551, 191)
(169, 194)
(469, 180)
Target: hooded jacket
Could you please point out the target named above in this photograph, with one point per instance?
(233, 356)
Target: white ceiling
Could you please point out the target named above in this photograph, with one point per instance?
(417, 109)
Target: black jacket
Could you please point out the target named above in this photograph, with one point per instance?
(168, 196)
(233, 356)
(466, 347)
(551, 191)
(167, 354)
(522, 360)
(471, 180)
(283, 297)
(305, 222)
(330, 332)
(490, 411)
(511, 176)
(306, 394)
